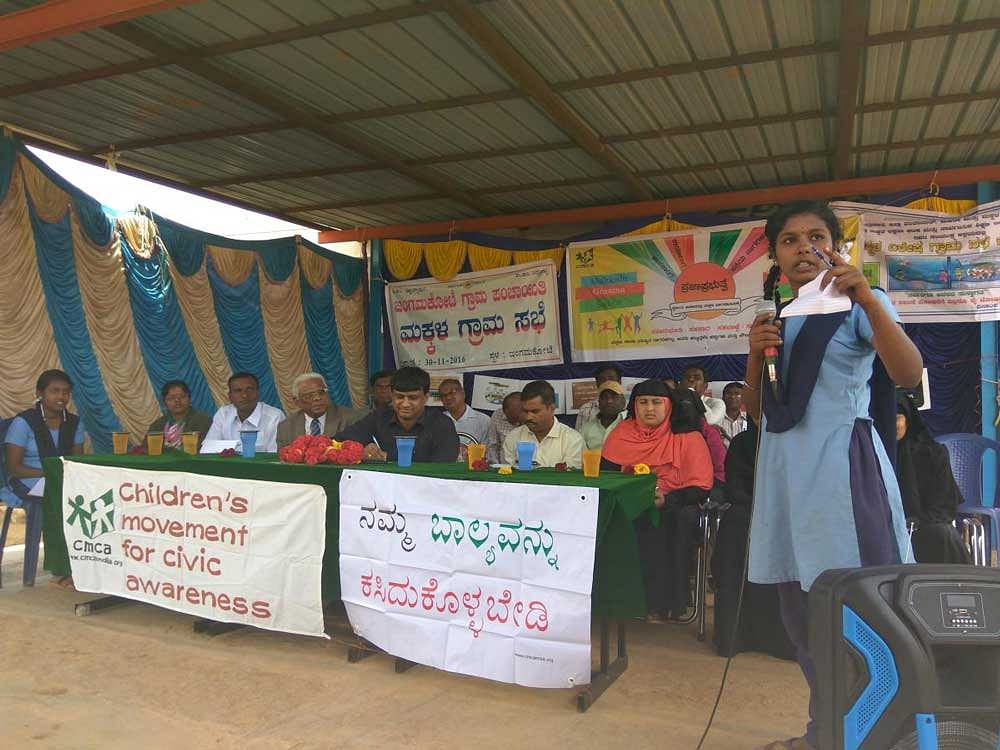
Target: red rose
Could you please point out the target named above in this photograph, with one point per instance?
(139, 450)
(292, 453)
(314, 456)
(561, 466)
(227, 452)
(480, 465)
(627, 469)
(353, 451)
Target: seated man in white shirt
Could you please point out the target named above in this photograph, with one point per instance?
(471, 425)
(735, 420)
(611, 403)
(556, 443)
(504, 419)
(602, 374)
(246, 412)
(695, 378)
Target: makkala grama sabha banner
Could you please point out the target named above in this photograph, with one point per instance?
(673, 294)
(936, 269)
(486, 320)
(230, 550)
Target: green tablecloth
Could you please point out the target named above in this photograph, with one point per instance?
(618, 589)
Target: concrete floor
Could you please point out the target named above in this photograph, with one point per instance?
(137, 677)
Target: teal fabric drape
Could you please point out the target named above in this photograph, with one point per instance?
(57, 268)
(163, 338)
(324, 351)
(242, 327)
(375, 336)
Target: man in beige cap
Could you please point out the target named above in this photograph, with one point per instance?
(610, 411)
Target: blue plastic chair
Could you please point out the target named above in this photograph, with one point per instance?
(33, 521)
(966, 451)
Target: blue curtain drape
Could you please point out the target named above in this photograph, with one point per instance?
(376, 339)
(278, 257)
(324, 350)
(159, 325)
(348, 272)
(185, 247)
(951, 356)
(8, 152)
(57, 269)
(242, 327)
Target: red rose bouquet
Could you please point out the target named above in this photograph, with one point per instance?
(319, 449)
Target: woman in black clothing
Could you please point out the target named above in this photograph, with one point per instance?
(760, 623)
(930, 495)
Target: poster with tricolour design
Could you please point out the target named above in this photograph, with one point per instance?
(672, 294)
(490, 579)
(229, 550)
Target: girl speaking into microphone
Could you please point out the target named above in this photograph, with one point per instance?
(825, 493)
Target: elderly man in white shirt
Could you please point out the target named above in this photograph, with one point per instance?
(556, 443)
(246, 412)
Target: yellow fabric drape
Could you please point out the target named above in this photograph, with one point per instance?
(233, 266)
(663, 225)
(402, 258)
(140, 233)
(50, 201)
(194, 296)
(108, 318)
(284, 332)
(482, 258)
(27, 346)
(556, 255)
(350, 312)
(444, 259)
(315, 268)
(943, 205)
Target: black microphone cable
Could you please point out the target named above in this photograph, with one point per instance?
(743, 577)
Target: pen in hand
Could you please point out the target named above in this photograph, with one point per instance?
(384, 456)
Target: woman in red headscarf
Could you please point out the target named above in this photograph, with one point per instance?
(683, 467)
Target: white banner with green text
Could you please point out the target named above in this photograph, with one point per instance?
(230, 550)
(491, 579)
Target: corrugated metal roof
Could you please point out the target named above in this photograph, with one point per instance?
(403, 90)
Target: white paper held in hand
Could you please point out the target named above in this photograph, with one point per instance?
(815, 301)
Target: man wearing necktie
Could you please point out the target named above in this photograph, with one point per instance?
(316, 415)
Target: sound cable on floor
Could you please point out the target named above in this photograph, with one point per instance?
(743, 582)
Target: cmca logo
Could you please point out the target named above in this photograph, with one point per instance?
(94, 517)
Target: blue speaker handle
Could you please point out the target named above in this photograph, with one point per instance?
(926, 732)
(883, 683)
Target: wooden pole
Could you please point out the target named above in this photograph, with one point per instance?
(713, 202)
(58, 18)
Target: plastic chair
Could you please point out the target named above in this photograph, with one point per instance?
(973, 537)
(965, 452)
(33, 521)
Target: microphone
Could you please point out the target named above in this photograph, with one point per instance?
(767, 307)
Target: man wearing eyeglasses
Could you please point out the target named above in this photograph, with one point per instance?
(316, 415)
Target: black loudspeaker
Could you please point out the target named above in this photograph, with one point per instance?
(907, 657)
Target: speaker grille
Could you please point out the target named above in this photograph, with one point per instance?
(883, 683)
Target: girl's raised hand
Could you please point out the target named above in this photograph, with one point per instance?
(847, 278)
